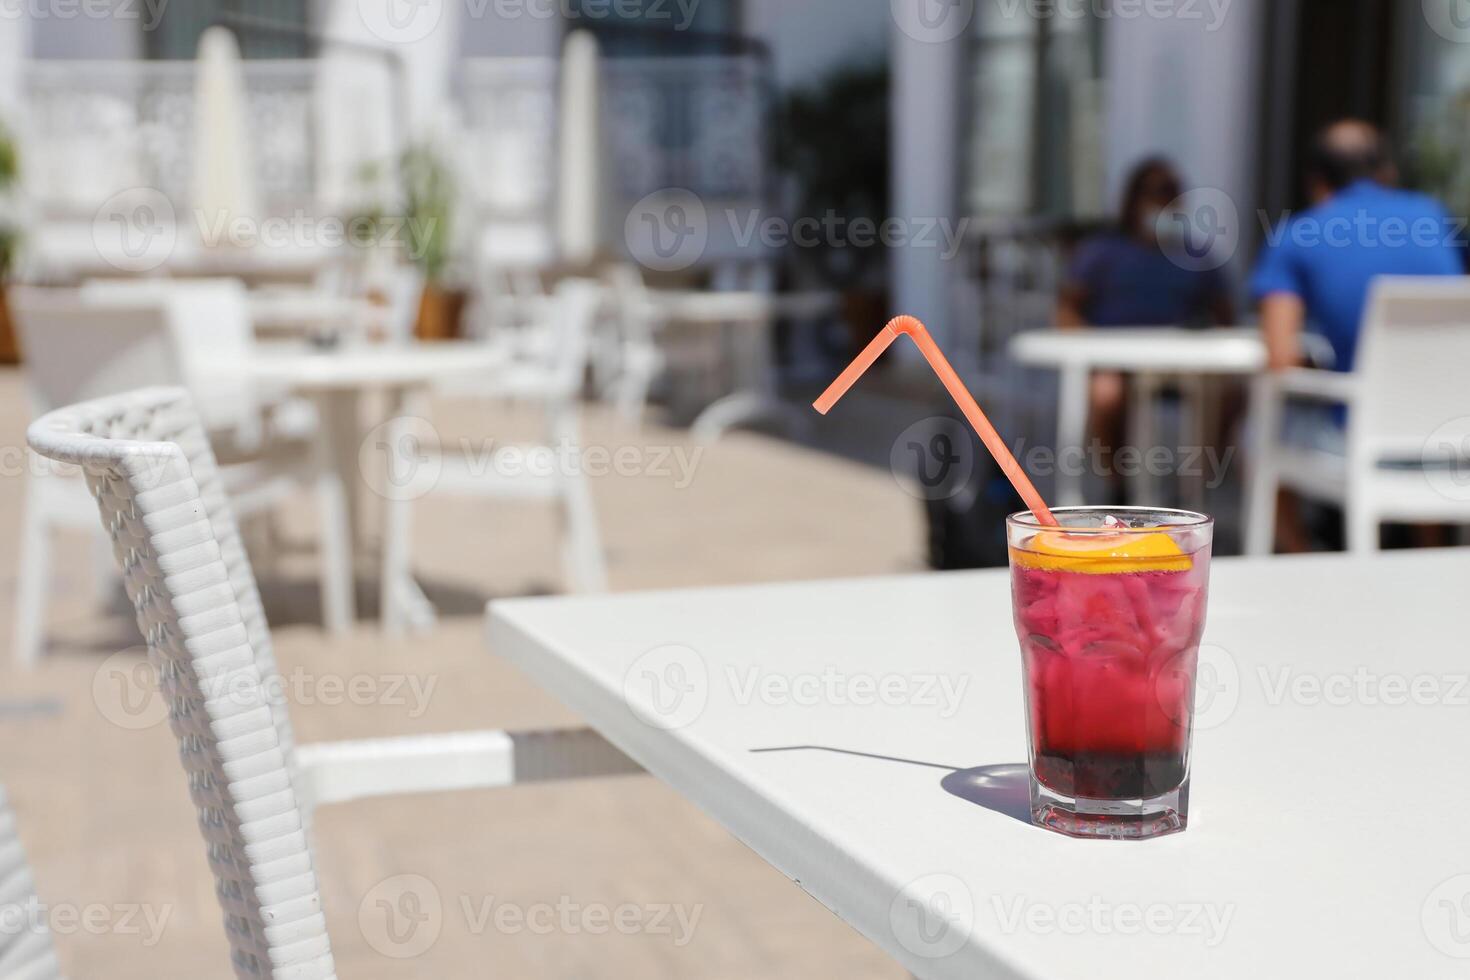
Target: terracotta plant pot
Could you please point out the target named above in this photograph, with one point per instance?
(9, 348)
(439, 313)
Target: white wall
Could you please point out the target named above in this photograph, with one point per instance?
(1190, 89)
(14, 45)
(491, 34)
(925, 157)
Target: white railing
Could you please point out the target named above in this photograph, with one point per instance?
(694, 122)
(95, 128)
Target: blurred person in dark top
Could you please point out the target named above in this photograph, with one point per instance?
(1124, 277)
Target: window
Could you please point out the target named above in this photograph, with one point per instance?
(1036, 110)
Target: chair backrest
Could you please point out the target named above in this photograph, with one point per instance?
(26, 952)
(574, 308)
(148, 464)
(211, 327)
(76, 350)
(1411, 366)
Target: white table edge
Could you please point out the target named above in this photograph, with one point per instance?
(819, 866)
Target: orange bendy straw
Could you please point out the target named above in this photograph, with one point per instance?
(957, 390)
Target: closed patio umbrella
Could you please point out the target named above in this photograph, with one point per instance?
(223, 187)
(579, 197)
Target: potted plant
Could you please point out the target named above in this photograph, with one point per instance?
(428, 199)
(9, 238)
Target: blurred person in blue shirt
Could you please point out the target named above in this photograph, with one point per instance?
(1316, 269)
(1124, 277)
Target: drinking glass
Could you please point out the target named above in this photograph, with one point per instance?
(1109, 609)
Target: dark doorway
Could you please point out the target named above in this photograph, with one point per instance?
(1328, 59)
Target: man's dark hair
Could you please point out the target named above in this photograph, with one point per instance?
(1348, 151)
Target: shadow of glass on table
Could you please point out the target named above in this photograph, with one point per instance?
(1004, 788)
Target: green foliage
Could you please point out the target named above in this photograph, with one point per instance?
(428, 194)
(420, 214)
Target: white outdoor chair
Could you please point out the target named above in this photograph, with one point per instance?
(150, 468)
(78, 348)
(26, 952)
(1408, 430)
(209, 321)
(551, 381)
(627, 359)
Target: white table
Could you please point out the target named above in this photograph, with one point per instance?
(750, 315)
(1144, 353)
(303, 311)
(1328, 837)
(339, 382)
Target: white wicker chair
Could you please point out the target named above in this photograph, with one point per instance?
(26, 952)
(150, 468)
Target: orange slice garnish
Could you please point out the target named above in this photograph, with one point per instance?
(1102, 554)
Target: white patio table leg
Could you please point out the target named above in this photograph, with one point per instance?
(338, 487)
(1143, 484)
(1071, 433)
(402, 602)
(1199, 403)
(1261, 479)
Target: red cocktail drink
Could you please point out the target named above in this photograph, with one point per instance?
(1109, 610)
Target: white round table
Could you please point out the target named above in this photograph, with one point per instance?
(339, 381)
(1143, 353)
